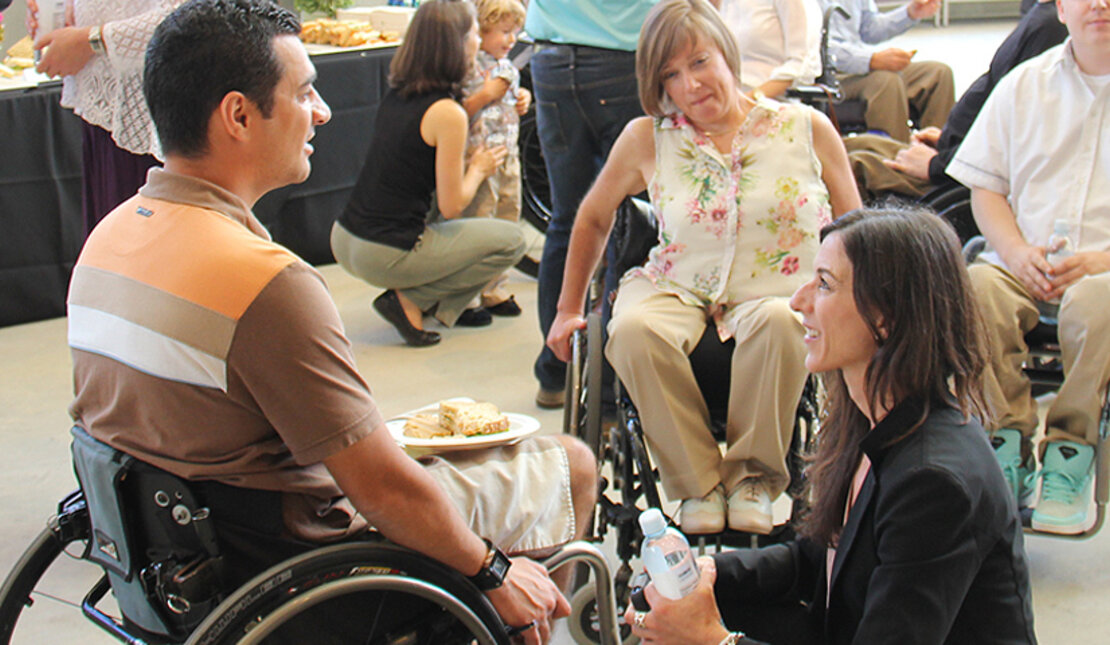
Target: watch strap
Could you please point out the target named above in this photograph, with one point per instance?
(494, 567)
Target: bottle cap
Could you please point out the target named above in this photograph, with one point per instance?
(652, 522)
(1060, 227)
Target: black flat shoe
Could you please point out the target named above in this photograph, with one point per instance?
(474, 318)
(506, 308)
(388, 306)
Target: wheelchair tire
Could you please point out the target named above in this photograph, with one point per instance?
(282, 593)
(15, 595)
(592, 381)
(583, 623)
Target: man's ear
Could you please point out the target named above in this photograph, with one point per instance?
(234, 115)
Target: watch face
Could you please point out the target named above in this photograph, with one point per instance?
(499, 566)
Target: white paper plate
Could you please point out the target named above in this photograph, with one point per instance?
(520, 426)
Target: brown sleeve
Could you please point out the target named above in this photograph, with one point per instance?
(294, 362)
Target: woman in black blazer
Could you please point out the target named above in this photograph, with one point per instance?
(913, 535)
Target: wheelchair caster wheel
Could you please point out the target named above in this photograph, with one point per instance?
(583, 623)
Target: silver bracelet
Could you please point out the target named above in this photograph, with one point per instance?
(733, 638)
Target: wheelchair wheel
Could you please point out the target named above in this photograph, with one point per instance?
(33, 597)
(582, 413)
(18, 591)
(583, 622)
(535, 207)
(366, 593)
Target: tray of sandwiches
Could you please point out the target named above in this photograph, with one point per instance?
(17, 68)
(460, 424)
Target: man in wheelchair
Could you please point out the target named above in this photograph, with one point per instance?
(1036, 155)
(206, 350)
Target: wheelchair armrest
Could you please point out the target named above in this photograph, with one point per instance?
(973, 248)
(589, 554)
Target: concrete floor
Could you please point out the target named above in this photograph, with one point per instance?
(1071, 580)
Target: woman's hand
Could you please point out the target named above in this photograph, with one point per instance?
(562, 329)
(31, 20)
(69, 51)
(486, 160)
(692, 620)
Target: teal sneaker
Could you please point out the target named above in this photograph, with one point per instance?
(1065, 488)
(1020, 476)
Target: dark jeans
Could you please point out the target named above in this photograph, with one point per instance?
(584, 98)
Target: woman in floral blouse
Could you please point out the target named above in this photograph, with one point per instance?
(740, 189)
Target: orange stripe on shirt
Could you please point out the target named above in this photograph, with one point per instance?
(207, 250)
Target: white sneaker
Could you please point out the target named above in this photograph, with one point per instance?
(749, 507)
(703, 514)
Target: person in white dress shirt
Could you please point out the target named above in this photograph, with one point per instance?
(1038, 157)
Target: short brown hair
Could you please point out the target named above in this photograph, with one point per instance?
(433, 54)
(670, 26)
(491, 12)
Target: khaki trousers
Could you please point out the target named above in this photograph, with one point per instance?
(874, 178)
(651, 336)
(450, 264)
(1010, 312)
(927, 86)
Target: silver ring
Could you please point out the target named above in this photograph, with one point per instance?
(639, 618)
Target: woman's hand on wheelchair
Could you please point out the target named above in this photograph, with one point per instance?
(691, 620)
(529, 596)
(562, 329)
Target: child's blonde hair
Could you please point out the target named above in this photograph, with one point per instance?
(491, 12)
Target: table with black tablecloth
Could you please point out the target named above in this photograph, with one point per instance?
(41, 228)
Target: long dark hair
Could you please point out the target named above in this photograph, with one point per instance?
(912, 289)
(433, 54)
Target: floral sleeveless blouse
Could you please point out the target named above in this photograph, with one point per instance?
(738, 227)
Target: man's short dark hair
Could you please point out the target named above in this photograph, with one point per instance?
(202, 51)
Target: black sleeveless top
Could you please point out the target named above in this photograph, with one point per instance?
(394, 190)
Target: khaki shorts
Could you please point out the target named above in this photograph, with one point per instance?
(518, 496)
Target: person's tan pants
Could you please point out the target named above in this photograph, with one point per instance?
(927, 86)
(651, 336)
(1084, 333)
(875, 179)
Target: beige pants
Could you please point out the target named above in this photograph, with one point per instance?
(518, 496)
(875, 179)
(1010, 312)
(651, 336)
(927, 86)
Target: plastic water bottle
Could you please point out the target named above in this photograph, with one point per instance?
(667, 556)
(1059, 247)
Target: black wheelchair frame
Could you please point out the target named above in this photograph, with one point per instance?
(406, 597)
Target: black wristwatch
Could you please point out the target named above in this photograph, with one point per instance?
(493, 570)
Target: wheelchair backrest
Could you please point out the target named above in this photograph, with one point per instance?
(152, 537)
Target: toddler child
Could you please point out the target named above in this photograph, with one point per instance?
(495, 102)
